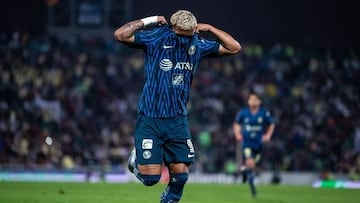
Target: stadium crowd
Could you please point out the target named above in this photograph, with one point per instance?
(66, 104)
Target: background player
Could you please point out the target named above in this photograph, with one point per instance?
(253, 126)
(172, 55)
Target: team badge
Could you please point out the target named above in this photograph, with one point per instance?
(260, 120)
(147, 154)
(192, 50)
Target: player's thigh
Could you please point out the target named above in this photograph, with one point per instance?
(179, 151)
(149, 147)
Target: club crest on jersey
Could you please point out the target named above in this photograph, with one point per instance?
(260, 120)
(192, 50)
(165, 64)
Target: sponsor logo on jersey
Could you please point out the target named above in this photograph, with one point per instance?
(166, 64)
(177, 79)
(184, 66)
(253, 127)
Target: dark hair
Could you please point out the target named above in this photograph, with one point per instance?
(255, 94)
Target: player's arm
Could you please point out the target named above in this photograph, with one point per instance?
(126, 32)
(269, 132)
(237, 132)
(228, 45)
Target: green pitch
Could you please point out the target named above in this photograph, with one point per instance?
(14, 192)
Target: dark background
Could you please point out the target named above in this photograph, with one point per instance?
(306, 22)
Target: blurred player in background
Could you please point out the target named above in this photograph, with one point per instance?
(172, 54)
(253, 126)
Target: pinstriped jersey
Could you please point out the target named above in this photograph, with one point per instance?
(253, 126)
(170, 62)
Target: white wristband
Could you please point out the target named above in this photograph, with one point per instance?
(150, 20)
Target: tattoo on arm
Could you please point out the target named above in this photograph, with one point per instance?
(131, 27)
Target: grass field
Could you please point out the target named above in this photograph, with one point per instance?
(19, 192)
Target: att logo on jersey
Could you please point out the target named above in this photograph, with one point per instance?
(184, 66)
(167, 64)
(253, 128)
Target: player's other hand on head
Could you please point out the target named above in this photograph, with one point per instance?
(238, 138)
(265, 138)
(162, 20)
(203, 27)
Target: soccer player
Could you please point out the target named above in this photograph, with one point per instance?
(253, 126)
(172, 54)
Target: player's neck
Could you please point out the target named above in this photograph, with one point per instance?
(254, 110)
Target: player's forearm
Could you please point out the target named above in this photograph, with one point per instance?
(238, 136)
(270, 130)
(226, 40)
(237, 131)
(126, 32)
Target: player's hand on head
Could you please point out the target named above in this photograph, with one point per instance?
(238, 138)
(202, 27)
(162, 20)
(265, 138)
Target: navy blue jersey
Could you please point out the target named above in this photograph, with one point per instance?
(253, 126)
(171, 61)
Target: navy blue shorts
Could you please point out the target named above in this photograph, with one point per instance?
(249, 152)
(166, 140)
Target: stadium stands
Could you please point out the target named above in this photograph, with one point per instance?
(83, 94)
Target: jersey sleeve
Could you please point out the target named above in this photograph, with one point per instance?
(268, 118)
(146, 37)
(239, 117)
(209, 48)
